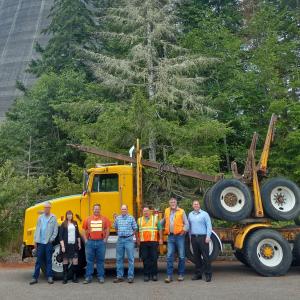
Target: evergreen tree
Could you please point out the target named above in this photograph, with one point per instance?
(152, 60)
(70, 28)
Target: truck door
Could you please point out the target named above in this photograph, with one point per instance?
(106, 191)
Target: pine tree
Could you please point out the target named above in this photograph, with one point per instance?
(70, 27)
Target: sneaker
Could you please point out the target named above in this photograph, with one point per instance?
(197, 277)
(33, 281)
(130, 280)
(154, 278)
(168, 279)
(87, 281)
(50, 280)
(101, 280)
(118, 280)
(146, 278)
(180, 278)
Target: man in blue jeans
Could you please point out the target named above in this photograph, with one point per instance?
(45, 234)
(95, 234)
(126, 228)
(176, 225)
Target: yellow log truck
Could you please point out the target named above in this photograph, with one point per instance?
(248, 201)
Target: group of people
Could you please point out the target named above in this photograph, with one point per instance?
(147, 230)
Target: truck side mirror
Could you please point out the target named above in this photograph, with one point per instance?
(85, 183)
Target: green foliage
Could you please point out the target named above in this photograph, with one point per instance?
(34, 116)
(258, 73)
(70, 182)
(71, 27)
(16, 194)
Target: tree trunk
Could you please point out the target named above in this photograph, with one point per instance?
(151, 92)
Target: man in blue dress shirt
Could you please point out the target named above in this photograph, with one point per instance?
(200, 231)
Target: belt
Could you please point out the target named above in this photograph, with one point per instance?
(198, 235)
(124, 237)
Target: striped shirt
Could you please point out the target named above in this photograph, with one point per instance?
(125, 225)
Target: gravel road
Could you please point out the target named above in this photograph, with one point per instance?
(231, 280)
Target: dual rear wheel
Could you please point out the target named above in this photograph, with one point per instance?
(267, 252)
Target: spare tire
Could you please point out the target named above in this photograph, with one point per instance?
(214, 248)
(231, 200)
(281, 199)
(208, 204)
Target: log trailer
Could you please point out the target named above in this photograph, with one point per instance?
(247, 200)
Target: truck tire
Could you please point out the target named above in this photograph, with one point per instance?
(268, 253)
(208, 204)
(296, 251)
(240, 256)
(57, 264)
(281, 199)
(214, 248)
(297, 220)
(57, 261)
(231, 200)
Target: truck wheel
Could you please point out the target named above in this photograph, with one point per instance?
(268, 253)
(281, 199)
(214, 248)
(231, 200)
(296, 251)
(57, 263)
(240, 256)
(208, 204)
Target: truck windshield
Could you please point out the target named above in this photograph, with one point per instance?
(105, 183)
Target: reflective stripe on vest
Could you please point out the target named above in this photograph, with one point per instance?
(148, 230)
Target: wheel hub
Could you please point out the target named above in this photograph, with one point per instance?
(283, 199)
(279, 199)
(230, 199)
(267, 251)
(57, 260)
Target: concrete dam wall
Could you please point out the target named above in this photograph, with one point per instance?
(21, 22)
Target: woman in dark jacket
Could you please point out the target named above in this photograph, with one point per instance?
(70, 245)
